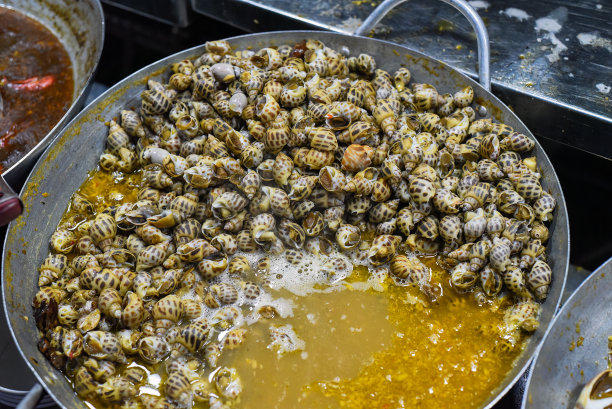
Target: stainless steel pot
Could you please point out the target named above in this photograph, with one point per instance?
(79, 25)
(564, 365)
(64, 167)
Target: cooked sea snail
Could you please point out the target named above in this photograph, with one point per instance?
(285, 151)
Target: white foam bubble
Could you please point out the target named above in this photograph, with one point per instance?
(311, 275)
(603, 88)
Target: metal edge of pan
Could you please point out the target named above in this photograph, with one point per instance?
(564, 314)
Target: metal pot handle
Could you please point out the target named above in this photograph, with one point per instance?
(484, 74)
(10, 204)
(31, 399)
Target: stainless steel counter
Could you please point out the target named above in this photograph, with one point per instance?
(551, 59)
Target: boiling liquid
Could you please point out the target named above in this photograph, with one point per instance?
(364, 341)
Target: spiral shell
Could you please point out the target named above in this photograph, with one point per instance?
(251, 290)
(316, 159)
(528, 186)
(109, 302)
(167, 311)
(490, 281)
(195, 335)
(499, 256)
(429, 228)
(409, 269)
(186, 231)
(153, 349)
(116, 390)
(421, 190)
(348, 236)
(475, 196)
(67, 315)
(196, 250)
(152, 256)
(72, 343)
(446, 201)
(357, 157)
(523, 315)
(475, 225)
(302, 187)
(462, 277)
(529, 253)
(405, 221)
(228, 205)
(279, 201)
(211, 268)
(84, 384)
(517, 142)
(155, 101)
(262, 228)
(239, 266)
(383, 249)
(313, 224)
(234, 338)
(293, 93)
(62, 241)
(228, 383)
(291, 233)
(539, 278)
(464, 97)
(103, 345)
(52, 268)
(225, 293)
(544, 206)
(267, 108)
(478, 255)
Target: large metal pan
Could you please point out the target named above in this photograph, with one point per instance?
(575, 348)
(64, 166)
(79, 25)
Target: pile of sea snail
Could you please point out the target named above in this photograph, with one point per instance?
(288, 149)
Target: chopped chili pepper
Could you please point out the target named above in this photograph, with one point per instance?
(29, 84)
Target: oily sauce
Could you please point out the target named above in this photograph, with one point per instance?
(36, 84)
(365, 345)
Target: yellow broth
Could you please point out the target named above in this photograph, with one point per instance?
(390, 349)
(384, 346)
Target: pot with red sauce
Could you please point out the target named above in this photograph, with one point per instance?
(49, 51)
(36, 84)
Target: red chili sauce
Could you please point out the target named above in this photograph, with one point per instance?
(36, 84)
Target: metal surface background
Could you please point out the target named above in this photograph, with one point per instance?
(562, 367)
(552, 96)
(65, 164)
(79, 25)
(174, 12)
